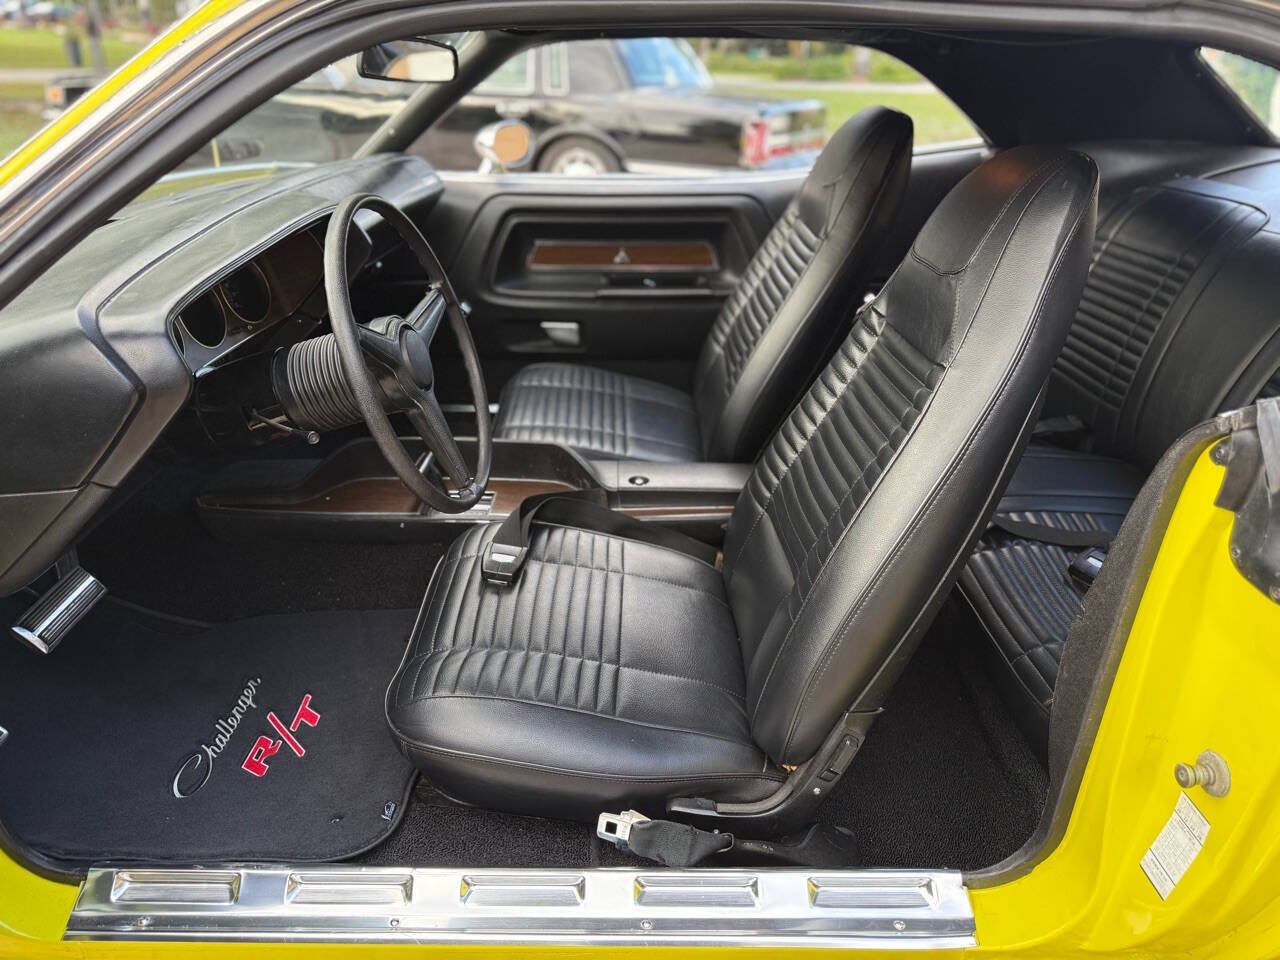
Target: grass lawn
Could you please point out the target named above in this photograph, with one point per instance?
(19, 113)
(825, 66)
(937, 120)
(42, 47)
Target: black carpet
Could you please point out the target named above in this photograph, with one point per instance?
(945, 779)
(106, 728)
(154, 551)
(439, 832)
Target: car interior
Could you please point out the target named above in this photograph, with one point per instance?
(372, 513)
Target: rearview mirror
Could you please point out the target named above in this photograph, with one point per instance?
(503, 145)
(410, 61)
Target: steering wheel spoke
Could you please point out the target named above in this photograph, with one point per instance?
(379, 345)
(427, 314)
(429, 420)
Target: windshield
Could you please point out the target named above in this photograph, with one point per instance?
(663, 62)
(326, 117)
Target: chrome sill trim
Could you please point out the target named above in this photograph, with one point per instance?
(880, 909)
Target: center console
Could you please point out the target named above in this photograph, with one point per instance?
(353, 494)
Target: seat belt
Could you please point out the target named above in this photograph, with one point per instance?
(587, 510)
(681, 845)
(1060, 430)
(1046, 534)
(1085, 566)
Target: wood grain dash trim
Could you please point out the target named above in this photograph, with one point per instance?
(623, 256)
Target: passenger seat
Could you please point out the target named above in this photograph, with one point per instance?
(1177, 322)
(772, 336)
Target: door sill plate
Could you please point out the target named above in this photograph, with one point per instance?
(320, 903)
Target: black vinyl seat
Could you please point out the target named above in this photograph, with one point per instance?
(615, 672)
(759, 355)
(1176, 323)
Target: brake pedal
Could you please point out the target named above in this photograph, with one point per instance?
(59, 609)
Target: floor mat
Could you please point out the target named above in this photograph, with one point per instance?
(944, 779)
(143, 738)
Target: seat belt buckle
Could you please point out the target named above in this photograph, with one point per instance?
(616, 827)
(502, 563)
(1084, 568)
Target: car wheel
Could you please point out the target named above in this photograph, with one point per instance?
(578, 157)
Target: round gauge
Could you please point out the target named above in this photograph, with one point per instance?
(204, 321)
(247, 294)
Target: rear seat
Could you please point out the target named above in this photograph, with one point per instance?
(1178, 321)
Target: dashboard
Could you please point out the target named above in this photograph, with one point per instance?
(255, 296)
(103, 352)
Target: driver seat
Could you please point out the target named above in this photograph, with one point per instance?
(617, 673)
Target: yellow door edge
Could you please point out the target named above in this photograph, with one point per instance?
(1196, 668)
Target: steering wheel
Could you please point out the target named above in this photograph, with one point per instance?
(390, 359)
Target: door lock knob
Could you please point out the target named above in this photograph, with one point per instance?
(1209, 771)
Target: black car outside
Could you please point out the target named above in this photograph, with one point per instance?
(595, 106)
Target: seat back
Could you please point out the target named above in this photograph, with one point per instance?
(790, 303)
(1177, 319)
(853, 525)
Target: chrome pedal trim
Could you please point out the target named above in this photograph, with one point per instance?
(881, 909)
(57, 612)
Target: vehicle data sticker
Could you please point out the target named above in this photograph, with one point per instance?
(1175, 846)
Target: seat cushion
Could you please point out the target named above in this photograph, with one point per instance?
(608, 675)
(1021, 589)
(1068, 490)
(599, 413)
(1026, 600)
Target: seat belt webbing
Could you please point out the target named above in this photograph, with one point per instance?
(586, 510)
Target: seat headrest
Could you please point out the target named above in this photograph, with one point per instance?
(953, 234)
(825, 189)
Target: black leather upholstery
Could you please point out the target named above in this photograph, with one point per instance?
(1069, 490)
(619, 673)
(770, 337)
(1021, 592)
(777, 329)
(601, 413)
(609, 674)
(1134, 365)
(1272, 387)
(1176, 323)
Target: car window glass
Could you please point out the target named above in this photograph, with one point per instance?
(663, 62)
(593, 70)
(326, 116)
(554, 77)
(514, 76)
(1252, 82)
(678, 107)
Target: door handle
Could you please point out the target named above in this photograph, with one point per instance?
(512, 109)
(562, 333)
